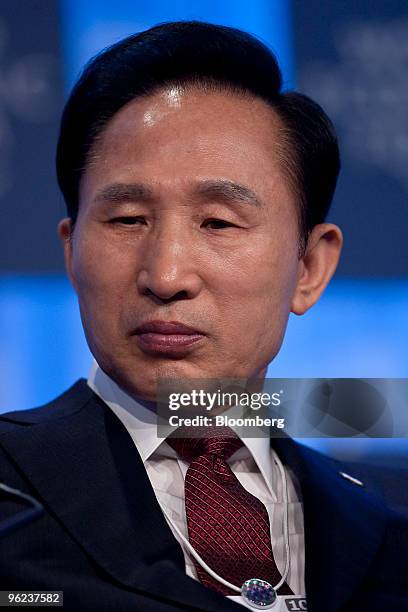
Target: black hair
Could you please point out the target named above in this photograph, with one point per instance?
(201, 54)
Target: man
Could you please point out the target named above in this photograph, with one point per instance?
(197, 194)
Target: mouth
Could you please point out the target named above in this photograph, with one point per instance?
(167, 337)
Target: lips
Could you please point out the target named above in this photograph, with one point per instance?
(166, 327)
(167, 337)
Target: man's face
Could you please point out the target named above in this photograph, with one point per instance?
(185, 216)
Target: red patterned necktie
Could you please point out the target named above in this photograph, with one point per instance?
(227, 526)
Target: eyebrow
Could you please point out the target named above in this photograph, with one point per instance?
(223, 190)
(124, 192)
(227, 191)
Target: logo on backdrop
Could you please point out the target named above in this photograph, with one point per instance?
(28, 93)
(368, 84)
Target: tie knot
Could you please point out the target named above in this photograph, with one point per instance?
(190, 443)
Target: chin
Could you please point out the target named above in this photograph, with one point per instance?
(145, 383)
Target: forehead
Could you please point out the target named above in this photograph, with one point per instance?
(220, 115)
(176, 133)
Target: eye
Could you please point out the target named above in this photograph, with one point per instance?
(217, 224)
(128, 220)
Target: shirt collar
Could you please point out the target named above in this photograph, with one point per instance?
(141, 424)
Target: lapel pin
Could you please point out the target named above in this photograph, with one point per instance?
(352, 479)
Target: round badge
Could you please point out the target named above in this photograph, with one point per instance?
(258, 593)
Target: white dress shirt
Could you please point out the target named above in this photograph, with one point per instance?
(253, 465)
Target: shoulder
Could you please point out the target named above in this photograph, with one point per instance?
(66, 404)
(31, 433)
(387, 482)
(375, 480)
(370, 470)
(391, 482)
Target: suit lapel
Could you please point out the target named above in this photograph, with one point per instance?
(344, 526)
(91, 477)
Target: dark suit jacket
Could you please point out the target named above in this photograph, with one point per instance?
(103, 539)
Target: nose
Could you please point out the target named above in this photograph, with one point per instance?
(169, 269)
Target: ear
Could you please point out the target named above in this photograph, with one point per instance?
(65, 232)
(317, 266)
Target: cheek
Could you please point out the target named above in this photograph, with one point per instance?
(96, 264)
(256, 292)
(101, 285)
(260, 271)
